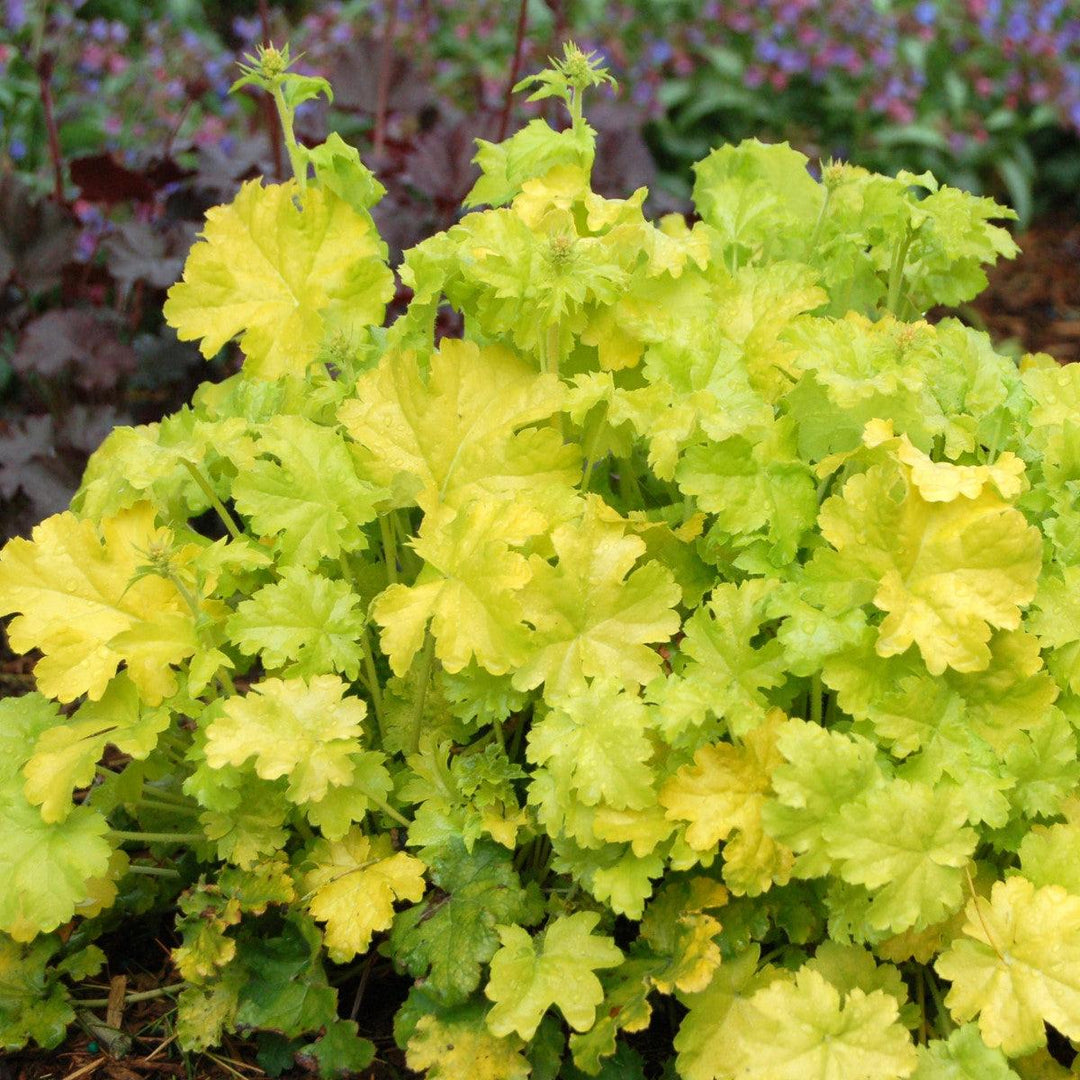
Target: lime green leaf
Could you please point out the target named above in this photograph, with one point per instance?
(657, 302)
(1018, 965)
(754, 483)
(211, 910)
(1050, 855)
(613, 873)
(596, 744)
(338, 168)
(1043, 761)
(594, 615)
(1055, 619)
(963, 1056)
(873, 221)
(206, 946)
(150, 462)
(310, 620)
(825, 770)
(22, 722)
(857, 369)
(756, 306)
(250, 831)
(716, 1014)
(726, 672)
(33, 1002)
(449, 938)
(304, 730)
(477, 697)
(460, 429)
(371, 784)
(311, 498)
(244, 816)
(851, 967)
(953, 242)
(1054, 391)
(626, 1064)
(810, 636)
(459, 1046)
(82, 964)
(754, 193)
(625, 1008)
(282, 278)
(806, 1029)
(204, 1014)
(909, 844)
(528, 977)
(351, 886)
(66, 756)
(73, 584)
(910, 709)
(531, 152)
(535, 266)
(48, 872)
(705, 385)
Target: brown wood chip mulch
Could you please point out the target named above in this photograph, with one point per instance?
(1034, 300)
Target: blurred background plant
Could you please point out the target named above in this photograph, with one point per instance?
(985, 93)
(117, 133)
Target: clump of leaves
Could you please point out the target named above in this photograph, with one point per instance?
(700, 625)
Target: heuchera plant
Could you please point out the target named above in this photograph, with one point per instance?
(701, 625)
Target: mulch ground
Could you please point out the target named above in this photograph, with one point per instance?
(1034, 301)
(136, 1042)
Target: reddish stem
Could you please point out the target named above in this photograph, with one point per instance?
(382, 97)
(44, 73)
(515, 68)
(272, 123)
(176, 127)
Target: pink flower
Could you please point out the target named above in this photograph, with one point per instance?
(900, 112)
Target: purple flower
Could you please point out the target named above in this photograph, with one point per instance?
(754, 76)
(15, 16)
(659, 52)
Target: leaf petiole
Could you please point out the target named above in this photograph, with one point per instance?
(219, 507)
(157, 837)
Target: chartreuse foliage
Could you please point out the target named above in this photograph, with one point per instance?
(702, 624)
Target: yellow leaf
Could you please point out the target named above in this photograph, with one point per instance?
(73, 584)
(460, 1047)
(1018, 967)
(281, 277)
(353, 885)
(723, 793)
(948, 558)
